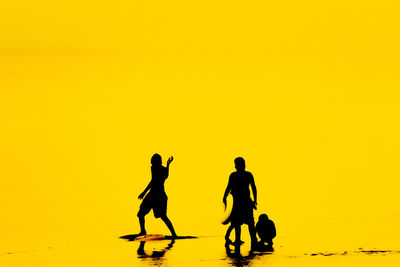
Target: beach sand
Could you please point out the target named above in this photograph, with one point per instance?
(110, 250)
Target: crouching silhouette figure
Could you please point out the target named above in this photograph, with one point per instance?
(266, 231)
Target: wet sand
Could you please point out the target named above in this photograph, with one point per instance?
(205, 251)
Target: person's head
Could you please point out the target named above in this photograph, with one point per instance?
(240, 165)
(263, 218)
(156, 159)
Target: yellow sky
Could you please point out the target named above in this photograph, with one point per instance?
(307, 92)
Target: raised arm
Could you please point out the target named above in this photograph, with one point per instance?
(253, 188)
(169, 162)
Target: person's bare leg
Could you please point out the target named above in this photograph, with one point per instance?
(253, 236)
(169, 225)
(237, 241)
(142, 228)
(228, 233)
(237, 234)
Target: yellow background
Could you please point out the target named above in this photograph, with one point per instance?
(306, 91)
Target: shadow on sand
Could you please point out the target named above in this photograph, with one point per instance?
(154, 237)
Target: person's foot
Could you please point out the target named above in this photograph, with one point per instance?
(228, 241)
(238, 243)
(255, 246)
(171, 244)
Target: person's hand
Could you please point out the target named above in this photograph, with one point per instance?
(255, 204)
(141, 196)
(170, 160)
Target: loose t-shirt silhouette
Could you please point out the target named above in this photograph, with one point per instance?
(242, 210)
(156, 199)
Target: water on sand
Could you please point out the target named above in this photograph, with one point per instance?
(208, 251)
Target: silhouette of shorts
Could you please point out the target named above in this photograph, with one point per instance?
(242, 211)
(155, 201)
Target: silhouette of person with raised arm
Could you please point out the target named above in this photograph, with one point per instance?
(243, 205)
(156, 199)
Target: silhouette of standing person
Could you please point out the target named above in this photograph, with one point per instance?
(156, 199)
(243, 205)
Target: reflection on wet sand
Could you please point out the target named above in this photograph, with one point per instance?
(237, 259)
(156, 256)
(360, 250)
